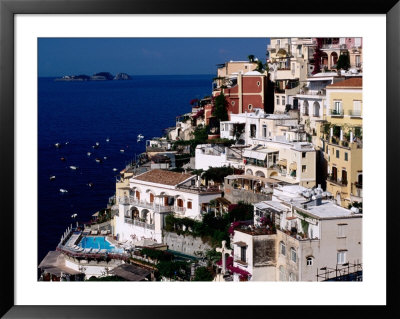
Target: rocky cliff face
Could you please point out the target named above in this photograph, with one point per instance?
(187, 244)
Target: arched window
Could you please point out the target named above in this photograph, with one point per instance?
(316, 109)
(305, 108)
(179, 202)
(282, 248)
(310, 260)
(293, 254)
(260, 174)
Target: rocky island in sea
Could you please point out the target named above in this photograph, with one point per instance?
(101, 76)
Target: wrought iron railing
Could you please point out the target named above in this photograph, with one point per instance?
(136, 222)
(335, 112)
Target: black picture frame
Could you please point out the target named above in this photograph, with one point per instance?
(9, 8)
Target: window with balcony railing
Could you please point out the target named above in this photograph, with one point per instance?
(336, 112)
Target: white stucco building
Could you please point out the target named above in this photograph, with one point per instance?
(212, 155)
(293, 163)
(259, 126)
(153, 195)
(310, 234)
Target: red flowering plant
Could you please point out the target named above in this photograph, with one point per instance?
(263, 221)
(317, 56)
(235, 225)
(243, 274)
(200, 113)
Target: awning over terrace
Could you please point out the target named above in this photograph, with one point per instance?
(282, 162)
(253, 178)
(255, 155)
(54, 264)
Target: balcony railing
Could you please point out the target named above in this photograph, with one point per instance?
(355, 113)
(135, 222)
(333, 46)
(337, 181)
(180, 210)
(155, 207)
(358, 185)
(335, 112)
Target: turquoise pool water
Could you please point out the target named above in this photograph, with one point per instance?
(98, 242)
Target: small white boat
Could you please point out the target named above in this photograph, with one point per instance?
(88, 153)
(57, 145)
(63, 190)
(105, 157)
(73, 167)
(97, 143)
(107, 140)
(98, 160)
(52, 178)
(114, 169)
(140, 137)
(122, 151)
(66, 143)
(95, 146)
(90, 184)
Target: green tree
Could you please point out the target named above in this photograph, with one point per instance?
(213, 256)
(200, 134)
(260, 67)
(240, 211)
(221, 108)
(217, 174)
(343, 62)
(172, 269)
(203, 274)
(251, 57)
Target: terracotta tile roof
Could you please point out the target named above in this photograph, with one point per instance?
(349, 83)
(160, 176)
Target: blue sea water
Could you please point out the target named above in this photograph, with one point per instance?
(79, 114)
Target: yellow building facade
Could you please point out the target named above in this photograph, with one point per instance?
(341, 137)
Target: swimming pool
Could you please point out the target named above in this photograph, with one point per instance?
(99, 242)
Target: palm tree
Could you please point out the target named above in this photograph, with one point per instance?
(260, 66)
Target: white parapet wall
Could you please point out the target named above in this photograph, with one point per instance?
(126, 231)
